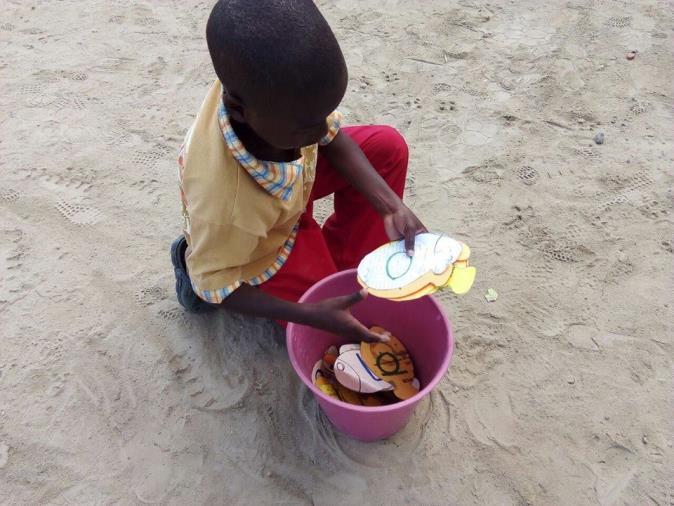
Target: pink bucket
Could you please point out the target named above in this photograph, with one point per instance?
(420, 324)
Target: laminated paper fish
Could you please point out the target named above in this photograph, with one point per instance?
(325, 381)
(438, 262)
(391, 362)
(352, 372)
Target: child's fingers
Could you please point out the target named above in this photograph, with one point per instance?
(354, 298)
(390, 228)
(373, 337)
(410, 234)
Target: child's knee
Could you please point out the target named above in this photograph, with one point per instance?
(393, 141)
(392, 138)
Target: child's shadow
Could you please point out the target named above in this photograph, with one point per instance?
(238, 368)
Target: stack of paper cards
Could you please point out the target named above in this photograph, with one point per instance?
(438, 262)
(368, 374)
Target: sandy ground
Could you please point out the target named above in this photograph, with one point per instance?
(560, 392)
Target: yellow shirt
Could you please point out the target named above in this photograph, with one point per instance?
(240, 213)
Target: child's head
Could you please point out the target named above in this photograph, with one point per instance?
(280, 65)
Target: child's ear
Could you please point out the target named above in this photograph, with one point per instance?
(234, 107)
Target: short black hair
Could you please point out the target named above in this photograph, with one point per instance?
(263, 48)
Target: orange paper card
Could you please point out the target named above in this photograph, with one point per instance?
(392, 363)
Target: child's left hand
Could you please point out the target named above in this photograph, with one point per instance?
(403, 224)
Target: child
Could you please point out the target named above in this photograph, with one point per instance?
(257, 156)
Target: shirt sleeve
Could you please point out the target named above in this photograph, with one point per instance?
(334, 124)
(215, 258)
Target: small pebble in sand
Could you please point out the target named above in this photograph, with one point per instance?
(570, 380)
(491, 295)
(599, 138)
(631, 55)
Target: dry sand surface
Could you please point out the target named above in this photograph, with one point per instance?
(560, 392)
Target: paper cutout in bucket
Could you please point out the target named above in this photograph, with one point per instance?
(359, 399)
(391, 362)
(438, 262)
(321, 378)
(326, 383)
(367, 374)
(352, 372)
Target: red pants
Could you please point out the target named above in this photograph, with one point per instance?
(354, 229)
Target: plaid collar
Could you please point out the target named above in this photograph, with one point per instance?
(277, 178)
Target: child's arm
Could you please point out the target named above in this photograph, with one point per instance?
(347, 157)
(332, 315)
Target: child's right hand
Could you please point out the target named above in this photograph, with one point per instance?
(334, 315)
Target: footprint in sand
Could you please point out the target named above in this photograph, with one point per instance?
(12, 255)
(490, 418)
(214, 372)
(614, 472)
(158, 466)
(207, 385)
(78, 213)
(9, 195)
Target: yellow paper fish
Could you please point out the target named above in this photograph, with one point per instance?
(438, 262)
